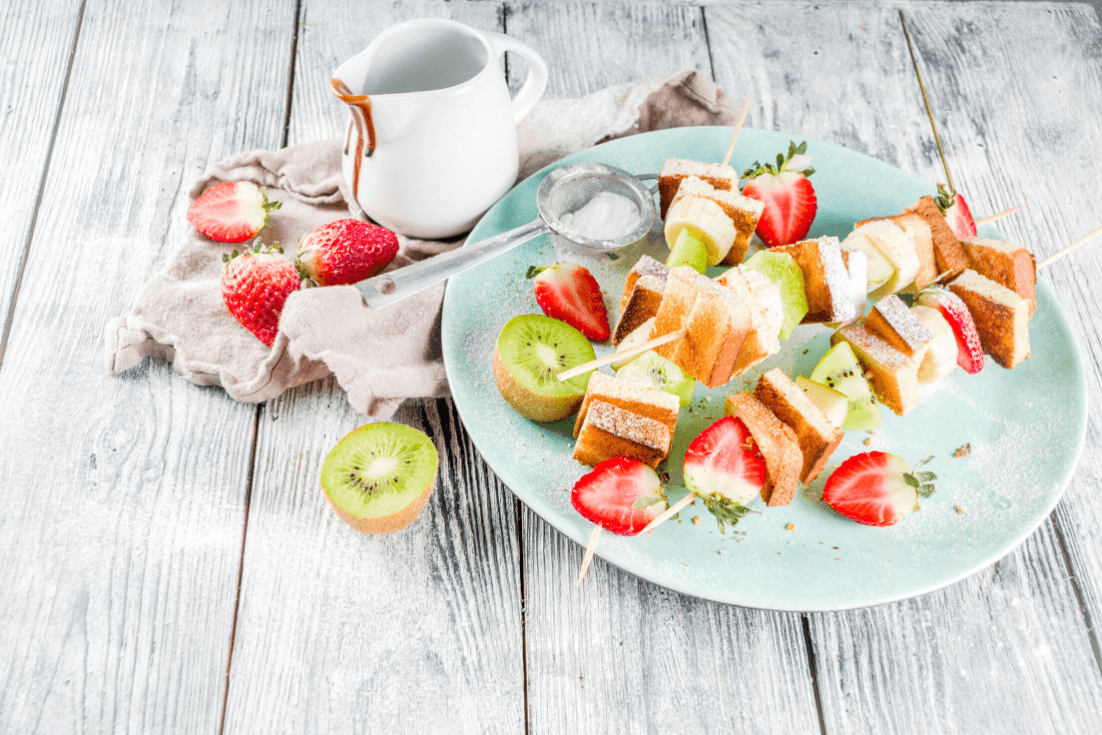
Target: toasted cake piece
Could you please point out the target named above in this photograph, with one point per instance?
(641, 306)
(1001, 317)
(777, 443)
(676, 170)
(949, 255)
(645, 266)
(743, 211)
(1005, 263)
(766, 315)
(816, 435)
(826, 280)
(717, 322)
(892, 321)
(639, 398)
(609, 431)
(857, 268)
(892, 375)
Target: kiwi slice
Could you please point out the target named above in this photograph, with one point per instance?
(652, 368)
(380, 476)
(840, 370)
(531, 352)
(688, 250)
(781, 269)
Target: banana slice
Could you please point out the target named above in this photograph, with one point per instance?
(877, 268)
(941, 352)
(706, 221)
(890, 239)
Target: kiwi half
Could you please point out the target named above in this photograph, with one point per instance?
(652, 368)
(840, 370)
(531, 352)
(380, 476)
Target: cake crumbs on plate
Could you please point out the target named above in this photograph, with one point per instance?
(963, 451)
(791, 527)
(960, 510)
(868, 441)
(696, 520)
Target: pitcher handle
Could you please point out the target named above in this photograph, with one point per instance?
(536, 82)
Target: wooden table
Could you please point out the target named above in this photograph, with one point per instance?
(167, 561)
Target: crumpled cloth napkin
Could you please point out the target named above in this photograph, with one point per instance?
(379, 357)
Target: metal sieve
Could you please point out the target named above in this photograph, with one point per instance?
(566, 189)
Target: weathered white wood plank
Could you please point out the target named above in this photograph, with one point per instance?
(620, 654)
(418, 631)
(1019, 628)
(35, 49)
(121, 535)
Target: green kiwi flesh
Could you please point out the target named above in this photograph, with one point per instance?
(781, 269)
(652, 368)
(839, 369)
(688, 250)
(379, 470)
(534, 349)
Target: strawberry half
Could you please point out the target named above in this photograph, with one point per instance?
(344, 252)
(877, 488)
(233, 211)
(956, 212)
(621, 495)
(723, 466)
(255, 285)
(569, 292)
(955, 311)
(787, 194)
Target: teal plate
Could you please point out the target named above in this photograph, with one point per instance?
(1025, 427)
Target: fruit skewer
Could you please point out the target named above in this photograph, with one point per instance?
(621, 355)
(620, 495)
(999, 215)
(738, 129)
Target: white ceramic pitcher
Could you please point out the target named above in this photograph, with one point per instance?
(433, 141)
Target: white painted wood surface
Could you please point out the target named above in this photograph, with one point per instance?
(134, 502)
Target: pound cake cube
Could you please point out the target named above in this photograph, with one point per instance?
(645, 266)
(638, 398)
(609, 431)
(826, 280)
(777, 444)
(892, 375)
(716, 323)
(816, 435)
(1005, 263)
(676, 170)
(894, 322)
(1001, 317)
(766, 315)
(743, 211)
(949, 255)
(643, 303)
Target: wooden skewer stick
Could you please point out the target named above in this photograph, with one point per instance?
(1005, 213)
(738, 128)
(589, 553)
(1061, 253)
(669, 513)
(621, 354)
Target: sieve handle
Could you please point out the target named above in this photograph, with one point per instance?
(384, 290)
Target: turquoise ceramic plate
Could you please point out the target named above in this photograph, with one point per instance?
(1025, 426)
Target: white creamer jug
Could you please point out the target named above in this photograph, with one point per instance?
(433, 143)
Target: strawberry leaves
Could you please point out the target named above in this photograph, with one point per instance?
(727, 512)
(797, 161)
(922, 482)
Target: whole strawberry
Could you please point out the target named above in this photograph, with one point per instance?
(787, 194)
(344, 252)
(255, 285)
(569, 292)
(233, 211)
(956, 212)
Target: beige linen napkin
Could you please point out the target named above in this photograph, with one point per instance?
(379, 357)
